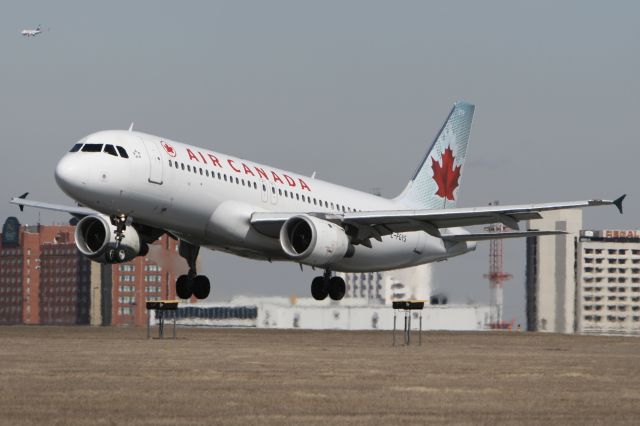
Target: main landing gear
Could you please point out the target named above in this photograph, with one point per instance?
(191, 284)
(326, 285)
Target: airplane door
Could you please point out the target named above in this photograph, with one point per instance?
(264, 191)
(155, 161)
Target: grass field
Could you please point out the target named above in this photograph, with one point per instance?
(83, 375)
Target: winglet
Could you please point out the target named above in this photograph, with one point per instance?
(618, 202)
(131, 127)
(23, 196)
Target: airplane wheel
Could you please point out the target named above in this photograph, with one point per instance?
(201, 287)
(319, 288)
(111, 256)
(184, 287)
(337, 288)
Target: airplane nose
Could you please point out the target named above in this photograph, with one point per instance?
(69, 174)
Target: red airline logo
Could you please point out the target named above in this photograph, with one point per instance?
(446, 174)
(168, 148)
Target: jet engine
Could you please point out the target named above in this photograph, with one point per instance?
(96, 239)
(314, 241)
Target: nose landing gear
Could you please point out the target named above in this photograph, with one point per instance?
(326, 285)
(117, 255)
(191, 284)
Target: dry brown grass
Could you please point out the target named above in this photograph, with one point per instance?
(82, 375)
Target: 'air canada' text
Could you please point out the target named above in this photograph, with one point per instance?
(242, 168)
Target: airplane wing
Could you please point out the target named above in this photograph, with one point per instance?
(376, 224)
(76, 211)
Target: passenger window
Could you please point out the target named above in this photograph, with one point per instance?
(182, 165)
(297, 196)
(109, 149)
(280, 192)
(237, 181)
(201, 170)
(177, 166)
(225, 177)
(219, 176)
(273, 190)
(92, 147)
(76, 147)
(206, 172)
(303, 198)
(242, 182)
(326, 204)
(264, 188)
(188, 168)
(170, 163)
(255, 185)
(314, 202)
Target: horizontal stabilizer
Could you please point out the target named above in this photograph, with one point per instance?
(499, 235)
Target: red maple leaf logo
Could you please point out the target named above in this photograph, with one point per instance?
(445, 175)
(168, 148)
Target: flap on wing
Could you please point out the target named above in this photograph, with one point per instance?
(499, 235)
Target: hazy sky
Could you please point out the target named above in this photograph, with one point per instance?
(355, 90)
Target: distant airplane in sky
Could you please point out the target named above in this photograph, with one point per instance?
(30, 32)
(134, 187)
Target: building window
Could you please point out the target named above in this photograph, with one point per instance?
(125, 310)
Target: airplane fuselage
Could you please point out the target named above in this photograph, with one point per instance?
(30, 33)
(207, 198)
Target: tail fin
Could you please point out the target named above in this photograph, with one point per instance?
(436, 182)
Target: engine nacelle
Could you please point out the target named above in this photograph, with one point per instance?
(313, 241)
(96, 239)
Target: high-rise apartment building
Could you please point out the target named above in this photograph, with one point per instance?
(40, 274)
(144, 279)
(550, 272)
(45, 280)
(608, 282)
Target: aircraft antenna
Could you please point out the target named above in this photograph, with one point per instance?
(496, 277)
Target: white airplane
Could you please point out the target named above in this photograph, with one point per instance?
(31, 33)
(133, 187)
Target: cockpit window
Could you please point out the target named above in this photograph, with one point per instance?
(76, 147)
(109, 149)
(123, 152)
(92, 147)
